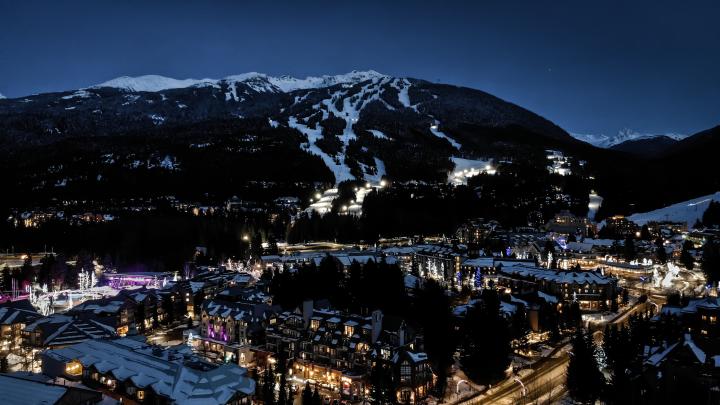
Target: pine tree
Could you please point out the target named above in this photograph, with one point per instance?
(711, 260)
(584, 379)
(486, 356)
(307, 394)
(316, 400)
(268, 387)
(686, 258)
(660, 253)
(711, 216)
(629, 249)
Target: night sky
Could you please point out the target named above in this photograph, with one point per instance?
(590, 66)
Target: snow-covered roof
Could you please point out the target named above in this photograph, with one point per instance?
(184, 382)
(557, 276)
(21, 391)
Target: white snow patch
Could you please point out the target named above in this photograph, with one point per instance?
(77, 94)
(339, 169)
(466, 168)
(687, 211)
(257, 81)
(152, 83)
(605, 141)
(435, 131)
(273, 123)
(379, 134)
(157, 119)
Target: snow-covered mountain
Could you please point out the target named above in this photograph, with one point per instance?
(361, 124)
(687, 211)
(624, 135)
(1, 96)
(257, 81)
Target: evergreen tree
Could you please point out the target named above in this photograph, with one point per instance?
(6, 278)
(686, 258)
(316, 400)
(711, 260)
(486, 356)
(584, 379)
(268, 387)
(711, 216)
(645, 233)
(519, 326)
(660, 253)
(307, 394)
(432, 307)
(629, 249)
(26, 271)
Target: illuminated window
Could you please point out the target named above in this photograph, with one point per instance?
(405, 372)
(74, 368)
(141, 395)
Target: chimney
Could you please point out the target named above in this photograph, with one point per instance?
(377, 317)
(307, 311)
(401, 334)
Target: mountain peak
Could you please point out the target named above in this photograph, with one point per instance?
(624, 135)
(259, 81)
(1, 96)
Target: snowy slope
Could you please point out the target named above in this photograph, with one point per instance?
(686, 211)
(2, 97)
(258, 81)
(605, 141)
(152, 83)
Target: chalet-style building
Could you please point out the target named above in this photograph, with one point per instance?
(701, 316)
(338, 350)
(141, 373)
(60, 330)
(687, 371)
(592, 290)
(14, 316)
(140, 308)
(437, 262)
(228, 329)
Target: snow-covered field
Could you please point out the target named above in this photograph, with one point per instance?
(686, 211)
(466, 168)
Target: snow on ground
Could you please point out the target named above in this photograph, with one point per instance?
(435, 131)
(152, 83)
(466, 168)
(607, 141)
(350, 113)
(157, 119)
(77, 94)
(403, 86)
(379, 134)
(339, 169)
(257, 81)
(687, 211)
(594, 204)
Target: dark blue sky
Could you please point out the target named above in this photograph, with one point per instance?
(590, 66)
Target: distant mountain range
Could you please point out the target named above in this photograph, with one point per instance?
(623, 136)
(364, 125)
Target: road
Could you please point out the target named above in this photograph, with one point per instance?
(547, 380)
